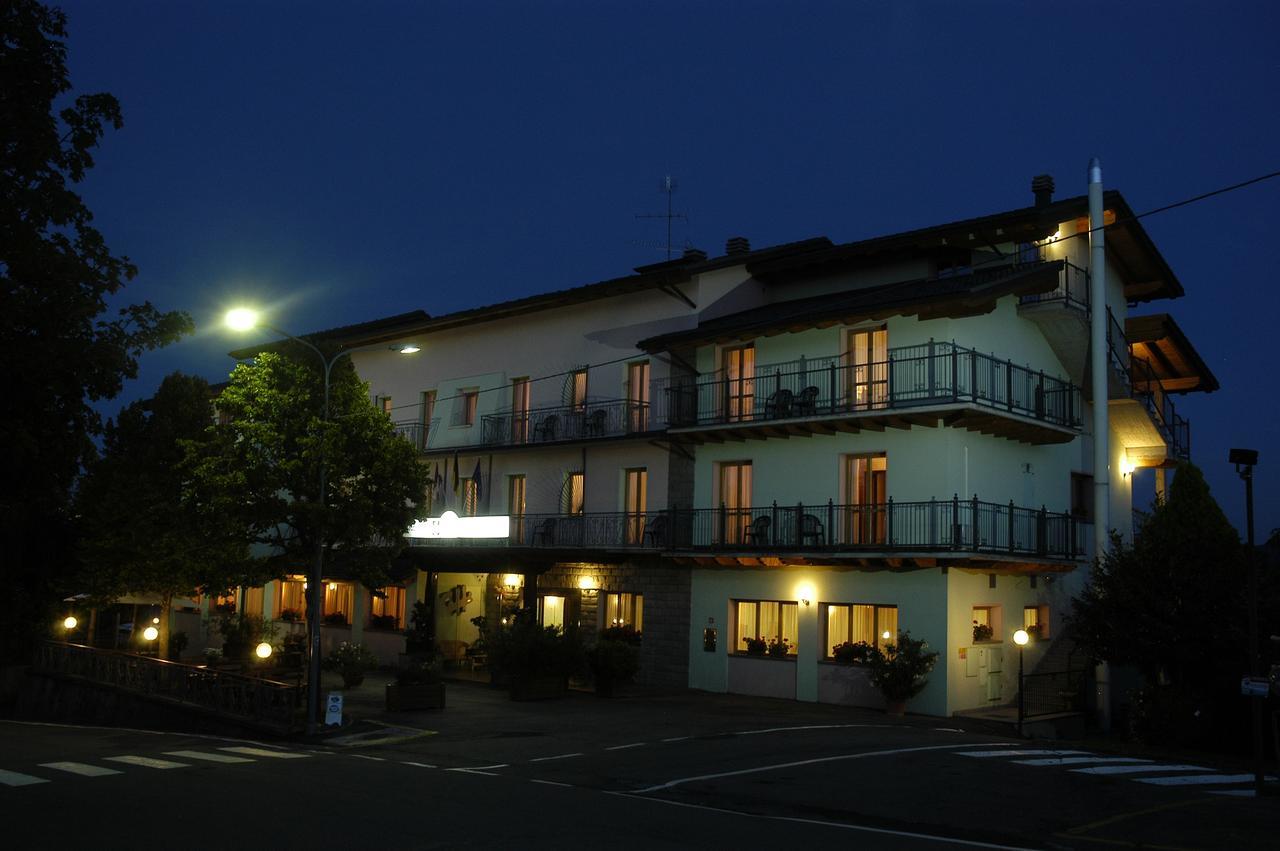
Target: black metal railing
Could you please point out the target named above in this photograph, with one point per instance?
(933, 373)
(1052, 693)
(966, 525)
(610, 418)
(234, 696)
(1072, 289)
(417, 432)
(1142, 384)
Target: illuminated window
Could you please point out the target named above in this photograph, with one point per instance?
(638, 396)
(339, 599)
(575, 494)
(858, 622)
(515, 506)
(578, 389)
(986, 623)
(426, 410)
(551, 610)
(772, 622)
(739, 365)
(520, 388)
(1035, 620)
(253, 601)
(624, 610)
(384, 404)
(291, 601)
(634, 497)
(735, 497)
(386, 608)
(868, 372)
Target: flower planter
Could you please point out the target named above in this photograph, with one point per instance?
(422, 696)
(539, 688)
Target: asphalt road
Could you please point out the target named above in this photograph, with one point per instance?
(678, 772)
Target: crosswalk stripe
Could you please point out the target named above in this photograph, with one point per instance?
(208, 757)
(265, 752)
(1138, 769)
(80, 768)
(986, 754)
(13, 778)
(147, 762)
(1076, 760)
(1196, 780)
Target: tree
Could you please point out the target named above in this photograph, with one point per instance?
(61, 349)
(1173, 606)
(260, 468)
(142, 531)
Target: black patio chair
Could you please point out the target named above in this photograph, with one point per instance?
(594, 424)
(812, 531)
(655, 531)
(546, 430)
(545, 535)
(778, 404)
(757, 532)
(806, 404)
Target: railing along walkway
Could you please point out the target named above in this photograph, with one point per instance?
(255, 701)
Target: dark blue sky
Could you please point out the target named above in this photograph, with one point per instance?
(346, 161)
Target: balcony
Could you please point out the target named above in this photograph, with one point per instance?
(918, 534)
(567, 423)
(913, 385)
(1142, 410)
(416, 432)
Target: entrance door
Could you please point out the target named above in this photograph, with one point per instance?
(865, 478)
(735, 496)
(740, 382)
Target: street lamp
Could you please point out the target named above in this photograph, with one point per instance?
(263, 650)
(1245, 459)
(246, 319)
(69, 622)
(1021, 638)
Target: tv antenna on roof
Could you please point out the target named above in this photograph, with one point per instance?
(668, 187)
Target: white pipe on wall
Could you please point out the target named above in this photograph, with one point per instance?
(1101, 421)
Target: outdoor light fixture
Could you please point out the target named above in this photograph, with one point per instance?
(589, 584)
(69, 622)
(806, 594)
(511, 581)
(155, 620)
(241, 319)
(1021, 637)
(333, 586)
(1245, 460)
(886, 635)
(151, 633)
(1126, 468)
(263, 650)
(408, 349)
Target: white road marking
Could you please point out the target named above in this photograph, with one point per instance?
(677, 739)
(1076, 760)
(1138, 769)
(862, 755)
(1196, 780)
(1239, 793)
(475, 771)
(987, 754)
(809, 727)
(480, 769)
(13, 778)
(557, 756)
(208, 757)
(625, 747)
(80, 768)
(947, 839)
(419, 764)
(551, 783)
(366, 756)
(266, 752)
(147, 762)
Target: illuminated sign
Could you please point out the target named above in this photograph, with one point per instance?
(450, 525)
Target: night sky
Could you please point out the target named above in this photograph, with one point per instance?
(339, 162)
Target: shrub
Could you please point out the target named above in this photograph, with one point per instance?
(418, 674)
(291, 615)
(526, 649)
(383, 622)
(613, 661)
(852, 652)
(335, 619)
(625, 633)
(352, 661)
(418, 638)
(901, 670)
(242, 633)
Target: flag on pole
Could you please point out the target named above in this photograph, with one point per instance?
(440, 482)
(456, 464)
(475, 477)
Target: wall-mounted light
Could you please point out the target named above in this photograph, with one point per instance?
(1127, 467)
(512, 582)
(589, 585)
(805, 593)
(333, 586)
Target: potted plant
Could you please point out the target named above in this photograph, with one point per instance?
(418, 686)
(756, 646)
(335, 619)
(852, 653)
(981, 632)
(901, 671)
(537, 660)
(612, 662)
(352, 661)
(778, 648)
(419, 640)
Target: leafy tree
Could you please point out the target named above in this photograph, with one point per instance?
(1173, 605)
(61, 348)
(260, 468)
(143, 533)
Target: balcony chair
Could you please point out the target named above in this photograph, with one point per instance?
(545, 535)
(806, 404)
(778, 404)
(656, 531)
(593, 425)
(812, 530)
(756, 534)
(546, 429)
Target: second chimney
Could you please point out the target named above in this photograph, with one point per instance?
(737, 245)
(1042, 188)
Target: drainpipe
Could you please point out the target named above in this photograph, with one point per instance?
(1101, 422)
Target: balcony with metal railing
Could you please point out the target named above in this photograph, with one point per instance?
(1071, 293)
(918, 532)
(592, 420)
(1135, 380)
(911, 385)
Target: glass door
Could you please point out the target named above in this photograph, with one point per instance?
(634, 498)
(520, 410)
(868, 369)
(735, 497)
(739, 382)
(638, 396)
(866, 497)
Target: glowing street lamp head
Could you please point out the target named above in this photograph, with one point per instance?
(263, 650)
(1020, 637)
(242, 319)
(151, 633)
(69, 622)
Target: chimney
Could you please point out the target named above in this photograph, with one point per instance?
(692, 253)
(737, 245)
(1042, 188)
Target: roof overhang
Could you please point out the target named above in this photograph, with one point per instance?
(1179, 367)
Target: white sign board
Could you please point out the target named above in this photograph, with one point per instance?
(450, 525)
(333, 709)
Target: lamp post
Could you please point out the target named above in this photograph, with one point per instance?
(1245, 459)
(1020, 638)
(245, 319)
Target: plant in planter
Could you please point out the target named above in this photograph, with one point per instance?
(852, 652)
(901, 670)
(612, 662)
(242, 633)
(383, 622)
(290, 615)
(537, 659)
(981, 632)
(1035, 630)
(418, 686)
(756, 646)
(625, 633)
(335, 619)
(778, 649)
(352, 661)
